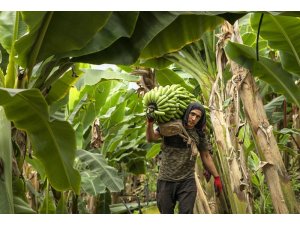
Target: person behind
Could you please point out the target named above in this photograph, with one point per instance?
(176, 179)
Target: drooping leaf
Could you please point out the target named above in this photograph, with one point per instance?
(265, 69)
(6, 195)
(29, 111)
(74, 29)
(180, 33)
(281, 32)
(127, 50)
(120, 24)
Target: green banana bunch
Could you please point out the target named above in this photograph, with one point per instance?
(167, 103)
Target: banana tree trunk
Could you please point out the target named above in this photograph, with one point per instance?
(228, 162)
(234, 125)
(230, 166)
(282, 195)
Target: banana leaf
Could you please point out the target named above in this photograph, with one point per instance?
(119, 24)
(6, 194)
(126, 50)
(282, 33)
(29, 112)
(98, 175)
(271, 72)
(184, 30)
(53, 33)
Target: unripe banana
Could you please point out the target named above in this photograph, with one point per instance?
(168, 103)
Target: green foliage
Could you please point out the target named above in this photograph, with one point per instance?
(48, 205)
(168, 77)
(153, 151)
(261, 196)
(28, 110)
(30, 41)
(96, 174)
(295, 179)
(281, 34)
(274, 109)
(22, 207)
(6, 194)
(265, 69)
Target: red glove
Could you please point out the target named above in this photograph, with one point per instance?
(218, 185)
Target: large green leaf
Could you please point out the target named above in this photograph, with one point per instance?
(105, 175)
(6, 195)
(53, 142)
(282, 33)
(184, 30)
(119, 24)
(127, 50)
(52, 33)
(267, 70)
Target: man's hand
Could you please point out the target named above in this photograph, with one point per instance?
(207, 175)
(218, 185)
(150, 118)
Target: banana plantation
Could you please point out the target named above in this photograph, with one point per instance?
(73, 124)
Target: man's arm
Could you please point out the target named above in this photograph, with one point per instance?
(210, 166)
(151, 135)
(209, 163)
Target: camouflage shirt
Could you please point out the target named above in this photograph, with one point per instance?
(176, 161)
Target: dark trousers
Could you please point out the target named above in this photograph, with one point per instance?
(169, 192)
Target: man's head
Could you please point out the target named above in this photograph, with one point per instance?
(195, 116)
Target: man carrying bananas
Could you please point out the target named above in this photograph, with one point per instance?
(176, 179)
